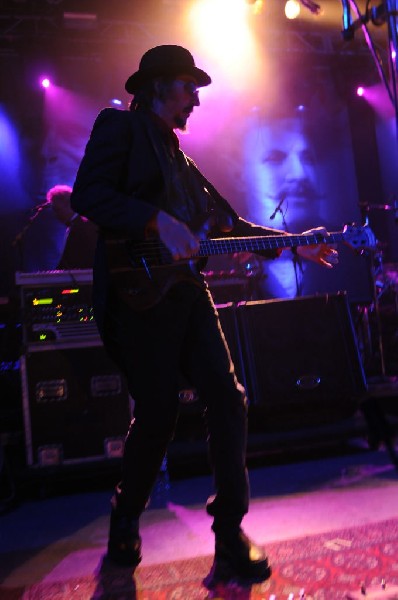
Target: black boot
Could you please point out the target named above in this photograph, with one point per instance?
(237, 558)
(124, 545)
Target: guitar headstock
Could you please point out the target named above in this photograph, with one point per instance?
(359, 238)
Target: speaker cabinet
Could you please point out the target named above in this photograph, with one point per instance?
(76, 406)
(301, 361)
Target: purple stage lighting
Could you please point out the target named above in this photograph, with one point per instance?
(45, 82)
(360, 91)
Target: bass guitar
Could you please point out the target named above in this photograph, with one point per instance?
(143, 271)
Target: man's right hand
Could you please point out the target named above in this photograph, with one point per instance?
(175, 235)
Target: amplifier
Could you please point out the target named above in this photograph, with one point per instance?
(56, 308)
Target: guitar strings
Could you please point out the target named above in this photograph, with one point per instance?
(155, 249)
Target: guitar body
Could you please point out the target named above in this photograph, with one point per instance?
(142, 289)
(142, 272)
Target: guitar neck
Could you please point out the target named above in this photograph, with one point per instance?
(216, 246)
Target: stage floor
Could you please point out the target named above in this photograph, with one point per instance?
(64, 536)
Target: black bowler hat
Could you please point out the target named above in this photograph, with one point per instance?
(165, 60)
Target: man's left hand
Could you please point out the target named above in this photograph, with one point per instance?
(323, 254)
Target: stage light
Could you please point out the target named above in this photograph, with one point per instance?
(360, 90)
(45, 82)
(116, 102)
(257, 5)
(292, 9)
(222, 29)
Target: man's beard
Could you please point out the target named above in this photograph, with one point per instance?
(181, 123)
(303, 190)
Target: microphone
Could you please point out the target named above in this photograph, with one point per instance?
(42, 205)
(278, 209)
(348, 31)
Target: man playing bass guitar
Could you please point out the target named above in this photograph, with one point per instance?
(154, 210)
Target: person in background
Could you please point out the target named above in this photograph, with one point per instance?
(158, 321)
(80, 235)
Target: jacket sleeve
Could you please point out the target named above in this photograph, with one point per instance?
(230, 223)
(99, 191)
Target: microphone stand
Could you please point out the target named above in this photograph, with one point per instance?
(385, 12)
(17, 241)
(376, 306)
(278, 209)
(297, 262)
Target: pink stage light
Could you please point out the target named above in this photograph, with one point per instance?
(45, 82)
(360, 91)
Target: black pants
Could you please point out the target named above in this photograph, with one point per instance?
(179, 336)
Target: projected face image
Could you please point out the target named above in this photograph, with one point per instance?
(280, 175)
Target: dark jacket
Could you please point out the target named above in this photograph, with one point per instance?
(123, 180)
(79, 249)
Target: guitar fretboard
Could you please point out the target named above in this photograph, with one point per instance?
(216, 246)
(153, 252)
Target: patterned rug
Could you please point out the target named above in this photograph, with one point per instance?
(329, 566)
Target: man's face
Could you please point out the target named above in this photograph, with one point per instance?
(178, 101)
(60, 204)
(279, 173)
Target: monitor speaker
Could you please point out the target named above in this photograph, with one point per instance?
(301, 361)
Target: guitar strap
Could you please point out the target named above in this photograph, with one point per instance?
(221, 203)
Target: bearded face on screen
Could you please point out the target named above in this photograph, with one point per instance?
(280, 174)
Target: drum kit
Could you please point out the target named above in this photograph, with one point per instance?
(385, 287)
